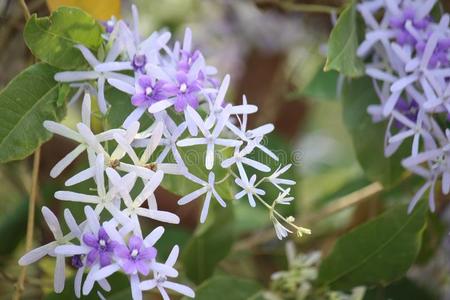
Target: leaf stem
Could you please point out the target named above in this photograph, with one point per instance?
(26, 11)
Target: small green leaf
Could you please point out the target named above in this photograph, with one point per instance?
(211, 243)
(25, 103)
(368, 137)
(377, 252)
(343, 43)
(52, 39)
(228, 288)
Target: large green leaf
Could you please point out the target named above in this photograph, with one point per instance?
(368, 137)
(343, 43)
(25, 103)
(211, 243)
(377, 252)
(228, 288)
(52, 39)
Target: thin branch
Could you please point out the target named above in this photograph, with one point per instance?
(359, 196)
(30, 222)
(26, 11)
(300, 7)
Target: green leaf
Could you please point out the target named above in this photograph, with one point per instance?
(52, 39)
(211, 243)
(227, 288)
(343, 43)
(323, 86)
(368, 137)
(377, 252)
(25, 103)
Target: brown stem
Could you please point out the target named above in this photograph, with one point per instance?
(30, 222)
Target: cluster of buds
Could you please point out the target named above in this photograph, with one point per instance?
(408, 54)
(175, 88)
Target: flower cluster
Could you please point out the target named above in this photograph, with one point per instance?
(409, 54)
(298, 282)
(175, 89)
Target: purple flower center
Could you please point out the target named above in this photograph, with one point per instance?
(109, 25)
(136, 257)
(76, 261)
(184, 91)
(139, 62)
(148, 91)
(102, 247)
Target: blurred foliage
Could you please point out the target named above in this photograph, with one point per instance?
(360, 257)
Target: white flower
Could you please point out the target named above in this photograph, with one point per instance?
(133, 207)
(108, 200)
(282, 199)
(239, 158)
(248, 188)
(253, 137)
(101, 71)
(275, 180)
(280, 230)
(143, 161)
(210, 139)
(217, 106)
(208, 189)
(49, 249)
(87, 140)
(161, 283)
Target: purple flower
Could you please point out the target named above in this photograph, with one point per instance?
(149, 91)
(403, 34)
(139, 62)
(185, 92)
(136, 257)
(187, 59)
(102, 247)
(407, 109)
(440, 53)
